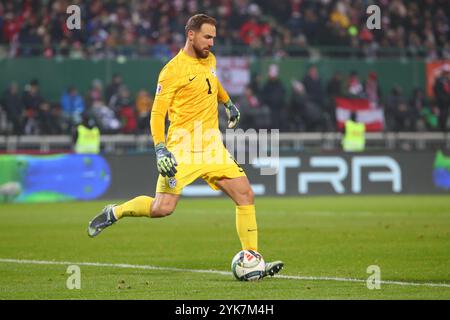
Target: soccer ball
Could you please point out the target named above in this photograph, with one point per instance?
(248, 265)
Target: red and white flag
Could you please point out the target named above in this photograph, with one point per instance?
(366, 112)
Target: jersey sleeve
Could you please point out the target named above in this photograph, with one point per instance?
(165, 92)
(222, 95)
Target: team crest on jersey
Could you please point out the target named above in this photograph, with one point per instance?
(213, 71)
(172, 183)
(159, 88)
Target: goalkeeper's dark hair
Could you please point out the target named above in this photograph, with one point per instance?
(195, 22)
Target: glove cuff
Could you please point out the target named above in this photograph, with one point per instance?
(228, 104)
(160, 146)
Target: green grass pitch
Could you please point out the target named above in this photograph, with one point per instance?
(324, 238)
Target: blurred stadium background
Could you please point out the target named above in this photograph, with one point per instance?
(292, 57)
(300, 66)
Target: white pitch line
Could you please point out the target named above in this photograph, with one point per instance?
(147, 267)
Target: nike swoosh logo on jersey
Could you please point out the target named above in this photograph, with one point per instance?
(192, 78)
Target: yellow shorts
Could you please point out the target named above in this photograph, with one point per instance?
(210, 166)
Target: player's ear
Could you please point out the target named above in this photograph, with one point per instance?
(190, 35)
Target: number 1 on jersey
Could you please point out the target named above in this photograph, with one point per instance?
(209, 86)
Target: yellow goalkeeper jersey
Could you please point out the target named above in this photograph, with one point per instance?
(189, 90)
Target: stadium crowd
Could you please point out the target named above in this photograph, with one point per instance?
(155, 28)
(308, 106)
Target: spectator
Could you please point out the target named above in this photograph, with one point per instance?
(13, 106)
(273, 95)
(161, 49)
(306, 114)
(47, 120)
(120, 99)
(372, 89)
(442, 92)
(95, 93)
(76, 51)
(399, 116)
(28, 35)
(253, 113)
(32, 99)
(315, 92)
(72, 104)
(354, 85)
(310, 25)
(354, 137)
(254, 27)
(339, 15)
(124, 108)
(256, 83)
(335, 88)
(143, 47)
(426, 116)
(113, 87)
(105, 118)
(313, 86)
(144, 103)
(86, 136)
(48, 50)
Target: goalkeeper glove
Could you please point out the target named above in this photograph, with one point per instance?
(233, 114)
(165, 161)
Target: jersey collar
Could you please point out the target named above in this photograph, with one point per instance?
(188, 57)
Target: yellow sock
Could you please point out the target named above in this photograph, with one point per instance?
(246, 227)
(137, 207)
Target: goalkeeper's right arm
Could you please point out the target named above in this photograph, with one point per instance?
(165, 160)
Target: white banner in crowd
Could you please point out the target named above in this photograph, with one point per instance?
(234, 74)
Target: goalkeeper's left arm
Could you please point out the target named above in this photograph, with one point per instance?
(232, 111)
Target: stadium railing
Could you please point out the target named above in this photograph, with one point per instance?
(330, 141)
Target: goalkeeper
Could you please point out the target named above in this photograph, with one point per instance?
(188, 90)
